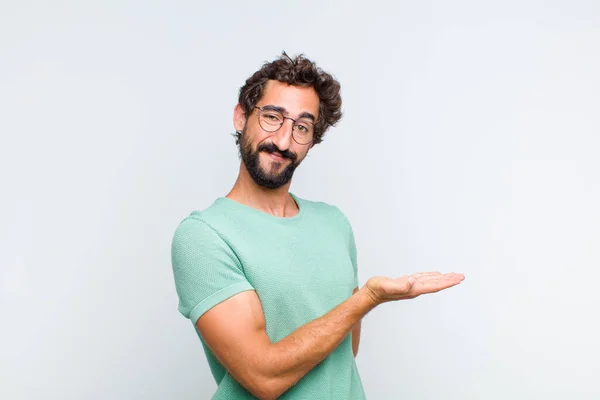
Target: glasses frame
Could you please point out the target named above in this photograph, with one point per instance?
(260, 109)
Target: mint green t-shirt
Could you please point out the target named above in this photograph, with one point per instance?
(301, 267)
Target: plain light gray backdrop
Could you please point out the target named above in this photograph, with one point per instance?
(469, 143)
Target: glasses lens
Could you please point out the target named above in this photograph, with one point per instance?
(304, 131)
(270, 120)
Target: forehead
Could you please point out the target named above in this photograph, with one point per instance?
(295, 99)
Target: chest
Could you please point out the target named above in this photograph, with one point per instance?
(298, 276)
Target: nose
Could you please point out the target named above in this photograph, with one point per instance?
(282, 138)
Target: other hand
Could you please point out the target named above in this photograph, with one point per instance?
(382, 289)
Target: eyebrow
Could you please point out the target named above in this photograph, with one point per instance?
(282, 110)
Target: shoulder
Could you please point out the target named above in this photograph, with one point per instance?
(196, 244)
(192, 233)
(198, 226)
(206, 219)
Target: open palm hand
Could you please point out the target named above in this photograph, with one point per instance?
(382, 289)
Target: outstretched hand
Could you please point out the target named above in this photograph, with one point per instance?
(382, 289)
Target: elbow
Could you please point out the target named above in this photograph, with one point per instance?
(260, 392)
(265, 387)
(266, 378)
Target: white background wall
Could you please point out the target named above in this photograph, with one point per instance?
(469, 143)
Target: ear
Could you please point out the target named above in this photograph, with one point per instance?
(239, 118)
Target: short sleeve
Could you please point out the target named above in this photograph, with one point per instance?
(205, 269)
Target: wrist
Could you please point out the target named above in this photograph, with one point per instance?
(367, 298)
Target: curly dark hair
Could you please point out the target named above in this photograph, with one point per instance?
(298, 71)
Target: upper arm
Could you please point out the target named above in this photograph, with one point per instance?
(205, 269)
(235, 332)
(216, 296)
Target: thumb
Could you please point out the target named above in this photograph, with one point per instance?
(409, 282)
(404, 284)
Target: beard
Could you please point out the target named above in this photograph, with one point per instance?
(274, 177)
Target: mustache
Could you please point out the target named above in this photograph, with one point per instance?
(271, 148)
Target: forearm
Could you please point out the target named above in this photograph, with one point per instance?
(288, 360)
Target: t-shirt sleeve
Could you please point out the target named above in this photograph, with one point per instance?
(205, 268)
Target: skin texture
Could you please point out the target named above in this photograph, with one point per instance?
(295, 100)
(235, 330)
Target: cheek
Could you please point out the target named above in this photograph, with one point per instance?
(302, 153)
(254, 137)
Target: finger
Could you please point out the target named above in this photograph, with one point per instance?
(454, 275)
(441, 279)
(419, 275)
(451, 277)
(432, 286)
(434, 276)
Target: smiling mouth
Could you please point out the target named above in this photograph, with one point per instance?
(276, 156)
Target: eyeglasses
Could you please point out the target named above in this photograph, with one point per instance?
(303, 130)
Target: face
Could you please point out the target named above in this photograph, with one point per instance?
(272, 157)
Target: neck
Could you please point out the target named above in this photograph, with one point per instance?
(277, 202)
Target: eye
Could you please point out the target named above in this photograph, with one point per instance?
(271, 117)
(304, 127)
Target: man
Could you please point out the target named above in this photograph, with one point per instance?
(269, 279)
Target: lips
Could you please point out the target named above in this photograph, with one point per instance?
(276, 156)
